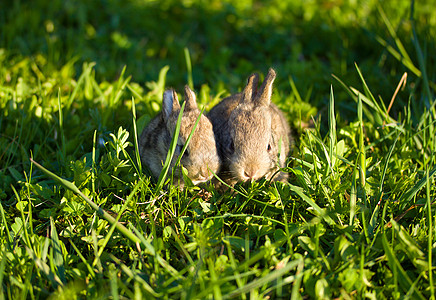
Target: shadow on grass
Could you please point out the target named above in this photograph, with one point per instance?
(227, 41)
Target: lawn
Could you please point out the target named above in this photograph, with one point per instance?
(81, 218)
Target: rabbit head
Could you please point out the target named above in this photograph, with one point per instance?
(201, 153)
(199, 157)
(258, 137)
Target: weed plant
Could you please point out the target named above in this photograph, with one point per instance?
(81, 218)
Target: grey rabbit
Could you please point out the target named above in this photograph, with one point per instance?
(201, 153)
(252, 134)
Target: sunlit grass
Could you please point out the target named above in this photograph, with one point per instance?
(81, 218)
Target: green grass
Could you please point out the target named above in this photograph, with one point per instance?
(81, 218)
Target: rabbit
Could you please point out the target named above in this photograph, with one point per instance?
(200, 155)
(252, 134)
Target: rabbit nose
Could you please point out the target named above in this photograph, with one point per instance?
(250, 174)
(204, 172)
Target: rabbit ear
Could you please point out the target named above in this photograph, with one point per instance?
(190, 99)
(251, 87)
(170, 103)
(264, 95)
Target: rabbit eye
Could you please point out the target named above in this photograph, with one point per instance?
(232, 146)
(269, 147)
(179, 148)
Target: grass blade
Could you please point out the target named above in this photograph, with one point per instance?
(121, 85)
(397, 55)
(188, 139)
(58, 259)
(371, 99)
(113, 226)
(65, 183)
(61, 126)
(189, 67)
(404, 280)
(430, 238)
(93, 166)
(353, 195)
(385, 168)
(5, 226)
(152, 250)
(113, 278)
(410, 193)
(170, 154)
(41, 265)
(23, 218)
(332, 131)
(320, 212)
(215, 286)
(137, 278)
(135, 135)
(362, 156)
(87, 68)
(423, 67)
(400, 85)
(405, 58)
(2, 273)
(274, 275)
(83, 259)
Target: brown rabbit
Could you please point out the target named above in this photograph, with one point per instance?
(201, 153)
(252, 135)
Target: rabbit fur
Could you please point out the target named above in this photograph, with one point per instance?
(201, 153)
(252, 134)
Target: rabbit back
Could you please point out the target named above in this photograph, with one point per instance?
(154, 144)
